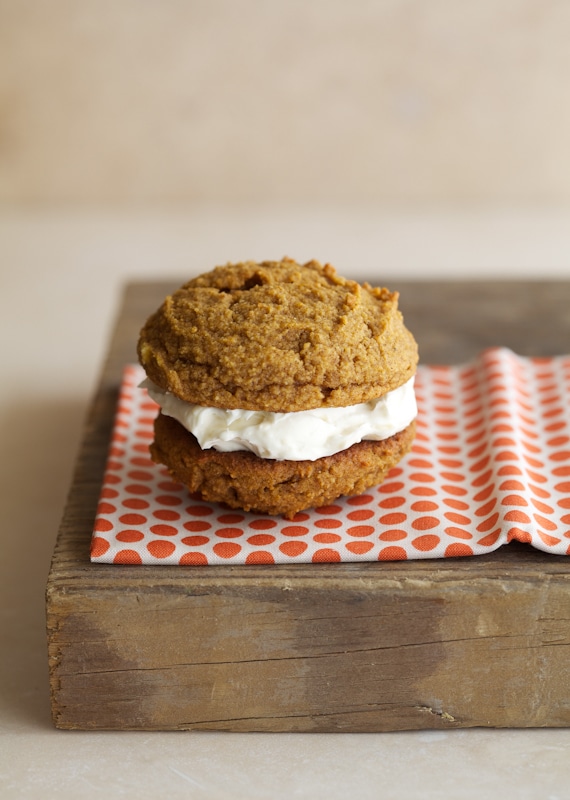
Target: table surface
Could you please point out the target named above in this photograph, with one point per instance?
(60, 281)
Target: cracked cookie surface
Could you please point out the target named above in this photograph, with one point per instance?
(277, 336)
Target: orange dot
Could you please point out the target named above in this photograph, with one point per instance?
(424, 505)
(260, 557)
(458, 533)
(490, 539)
(226, 549)
(262, 524)
(199, 511)
(195, 541)
(301, 516)
(506, 455)
(510, 469)
(140, 475)
(422, 477)
(531, 448)
(143, 433)
(517, 516)
(325, 555)
(360, 530)
(109, 494)
(456, 477)
(326, 538)
(457, 549)
(129, 535)
(392, 502)
(502, 427)
(392, 553)
(453, 503)
(546, 523)
(102, 525)
(393, 535)
(230, 519)
(260, 539)
(538, 491)
(425, 451)
(459, 519)
(294, 530)
(451, 463)
(425, 523)
(110, 478)
(488, 523)
(554, 412)
(546, 509)
(160, 548)
(550, 541)
(168, 500)
(135, 502)
(127, 557)
(137, 488)
(555, 426)
(421, 463)
(483, 479)
(514, 500)
(512, 485)
(99, 546)
(456, 490)
(328, 523)
(563, 487)
(197, 525)
(148, 421)
(293, 549)
(425, 543)
(560, 455)
(229, 533)
(164, 530)
(504, 441)
(387, 488)
(140, 448)
(485, 509)
(166, 515)
(105, 508)
(333, 509)
(360, 514)
(114, 466)
(193, 560)
(424, 491)
(359, 547)
(133, 519)
(395, 518)
(139, 461)
(519, 535)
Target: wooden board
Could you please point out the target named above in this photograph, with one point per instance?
(452, 643)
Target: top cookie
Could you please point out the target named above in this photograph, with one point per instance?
(277, 336)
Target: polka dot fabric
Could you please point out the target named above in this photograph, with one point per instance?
(490, 463)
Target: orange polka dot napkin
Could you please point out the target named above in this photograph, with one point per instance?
(490, 463)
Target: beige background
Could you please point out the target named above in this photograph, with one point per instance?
(157, 138)
(391, 102)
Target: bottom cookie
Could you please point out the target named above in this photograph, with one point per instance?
(243, 480)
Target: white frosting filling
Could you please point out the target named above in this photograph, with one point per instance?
(297, 435)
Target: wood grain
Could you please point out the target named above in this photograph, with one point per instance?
(480, 641)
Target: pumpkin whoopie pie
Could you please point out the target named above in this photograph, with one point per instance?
(282, 386)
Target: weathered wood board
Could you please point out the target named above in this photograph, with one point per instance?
(482, 641)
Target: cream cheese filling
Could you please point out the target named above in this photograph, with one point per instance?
(293, 436)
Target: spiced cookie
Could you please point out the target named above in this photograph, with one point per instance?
(289, 384)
